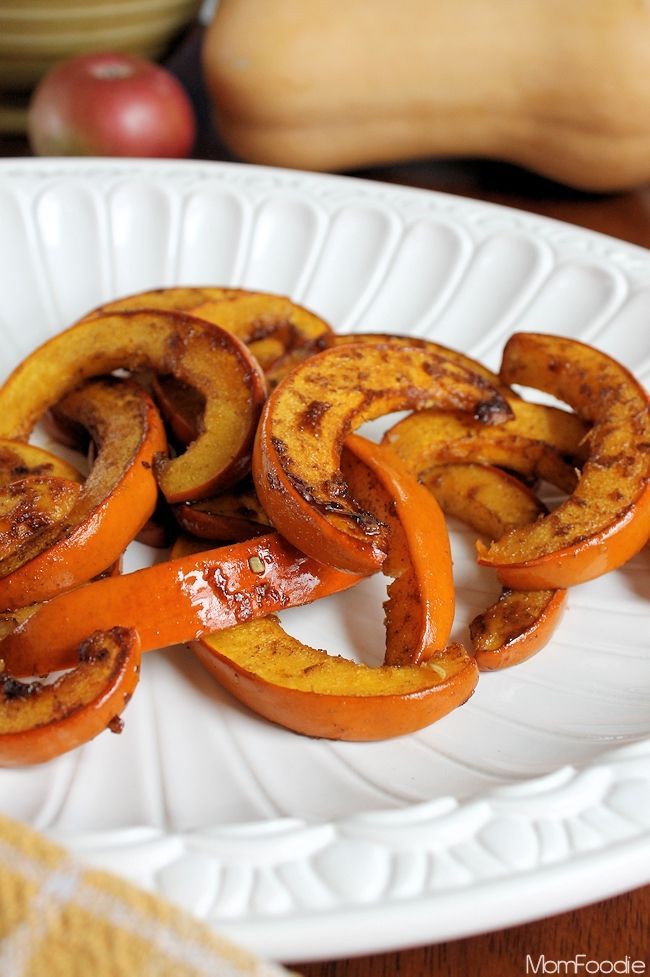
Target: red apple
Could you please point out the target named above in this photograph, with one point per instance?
(110, 105)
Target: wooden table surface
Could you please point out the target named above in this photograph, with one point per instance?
(605, 931)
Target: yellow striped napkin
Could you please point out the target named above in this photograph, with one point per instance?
(59, 918)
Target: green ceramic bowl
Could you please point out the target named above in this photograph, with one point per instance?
(34, 34)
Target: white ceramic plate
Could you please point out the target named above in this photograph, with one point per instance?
(532, 798)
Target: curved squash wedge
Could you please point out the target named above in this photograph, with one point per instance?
(296, 459)
(317, 694)
(199, 353)
(40, 721)
(606, 519)
(422, 679)
(169, 602)
(111, 507)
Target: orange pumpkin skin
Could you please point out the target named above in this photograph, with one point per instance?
(169, 602)
(108, 514)
(609, 549)
(520, 639)
(37, 724)
(353, 702)
(296, 457)
(606, 519)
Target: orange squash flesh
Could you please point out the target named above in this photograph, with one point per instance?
(562, 430)
(606, 520)
(19, 459)
(40, 721)
(296, 458)
(492, 502)
(177, 298)
(181, 406)
(252, 316)
(446, 352)
(30, 506)
(286, 363)
(112, 506)
(487, 498)
(311, 692)
(273, 327)
(230, 516)
(597, 552)
(516, 627)
(200, 354)
(429, 438)
(419, 611)
(317, 694)
(173, 601)
(269, 324)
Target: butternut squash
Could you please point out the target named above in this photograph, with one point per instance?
(559, 88)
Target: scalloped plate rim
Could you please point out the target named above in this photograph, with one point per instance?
(308, 936)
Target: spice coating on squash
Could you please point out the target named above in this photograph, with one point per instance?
(607, 517)
(296, 459)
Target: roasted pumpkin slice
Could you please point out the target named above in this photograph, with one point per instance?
(518, 625)
(430, 438)
(29, 506)
(111, 507)
(562, 430)
(39, 721)
(492, 502)
(231, 516)
(286, 363)
(270, 325)
(296, 461)
(486, 498)
(317, 694)
(200, 354)
(447, 352)
(419, 611)
(421, 680)
(273, 327)
(606, 520)
(170, 602)
(250, 315)
(19, 459)
(177, 298)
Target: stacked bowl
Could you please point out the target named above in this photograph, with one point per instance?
(34, 34)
